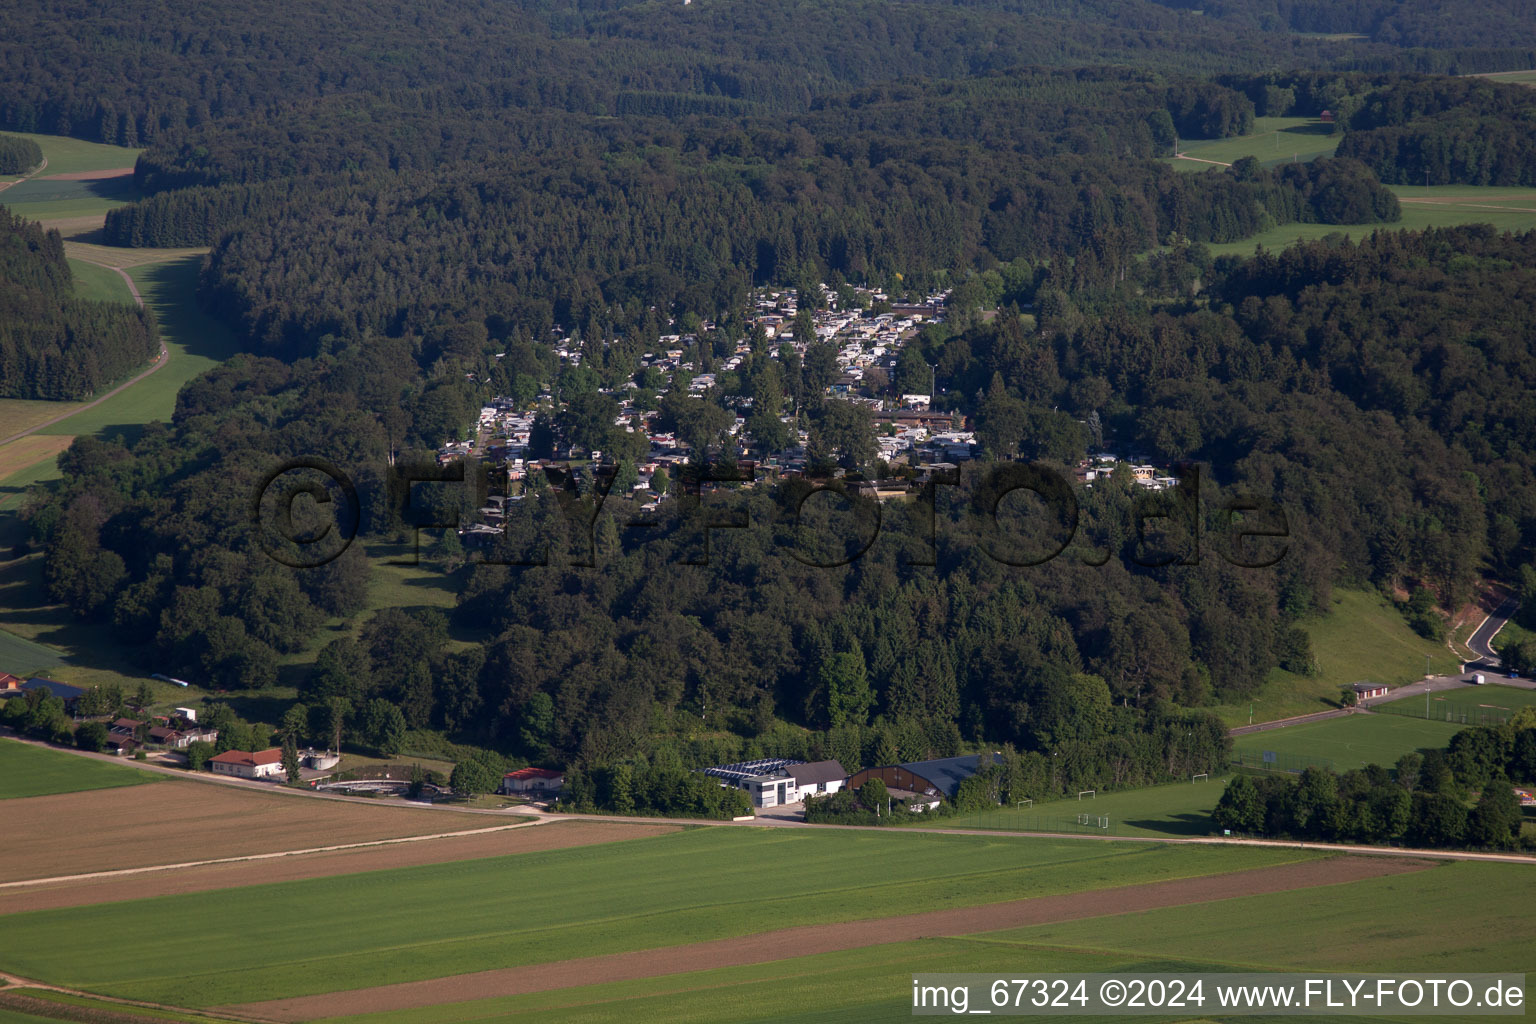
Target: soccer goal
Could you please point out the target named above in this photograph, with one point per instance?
(1089, 793)
(1027, 800)
(1202, 776)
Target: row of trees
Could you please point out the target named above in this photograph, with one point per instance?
(1424, 802)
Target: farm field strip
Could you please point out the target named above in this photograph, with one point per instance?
(1175, 810)
(375, 856)
(814, 939)
(273, 855)
(583, 901)
(1331, 928)
(142, 826)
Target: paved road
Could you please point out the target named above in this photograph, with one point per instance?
(1481, 640)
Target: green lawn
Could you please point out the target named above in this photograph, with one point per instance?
(1363, 636)
(1454, 917)
(27, 770)
(1352, 741)
(67, 156)
(1274, 140)
(1435, 207)
(690, 886)
(99, 284)
(1180, 809)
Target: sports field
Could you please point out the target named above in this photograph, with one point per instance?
(691, 886)
(1471, 705)
(1180, 809)
(28, 770)
(1362, 636)
(1352, 741)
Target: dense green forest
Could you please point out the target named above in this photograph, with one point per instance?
(405, 206)
(53, 345)
(18, 155)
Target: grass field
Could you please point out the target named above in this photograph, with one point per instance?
(1363, 636)
(1508, 209)
(30, 450)
(1180, 809)
(1452, 917)
(22, 657)
(1352, 741)
(1274, 140)
(26, 770)
(689, 886)
(99, 284)
(70, 156)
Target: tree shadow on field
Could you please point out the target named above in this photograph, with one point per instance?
(1312, 128)
(1177, 824)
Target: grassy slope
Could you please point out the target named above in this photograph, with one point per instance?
(41, 199)
(1453, 917)
(26, 770)
(99, 284)
(1181, 809)
(1362, 637)
(1353, 741)
(478, 915)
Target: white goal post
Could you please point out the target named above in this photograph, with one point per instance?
(1087, 793)
(1200, 775)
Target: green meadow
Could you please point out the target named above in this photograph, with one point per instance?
(1274, 140)
(1361, 636)
(1352, 741)
(70, 156)
(446, 919)
(99, 284)
(22, 657)
(27, 770)
(1452, 917)
(1438, 206)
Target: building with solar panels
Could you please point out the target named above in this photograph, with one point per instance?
(776, 781)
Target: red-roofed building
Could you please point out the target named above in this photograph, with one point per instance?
(532, 780)
(9, 682)
(247, 765)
